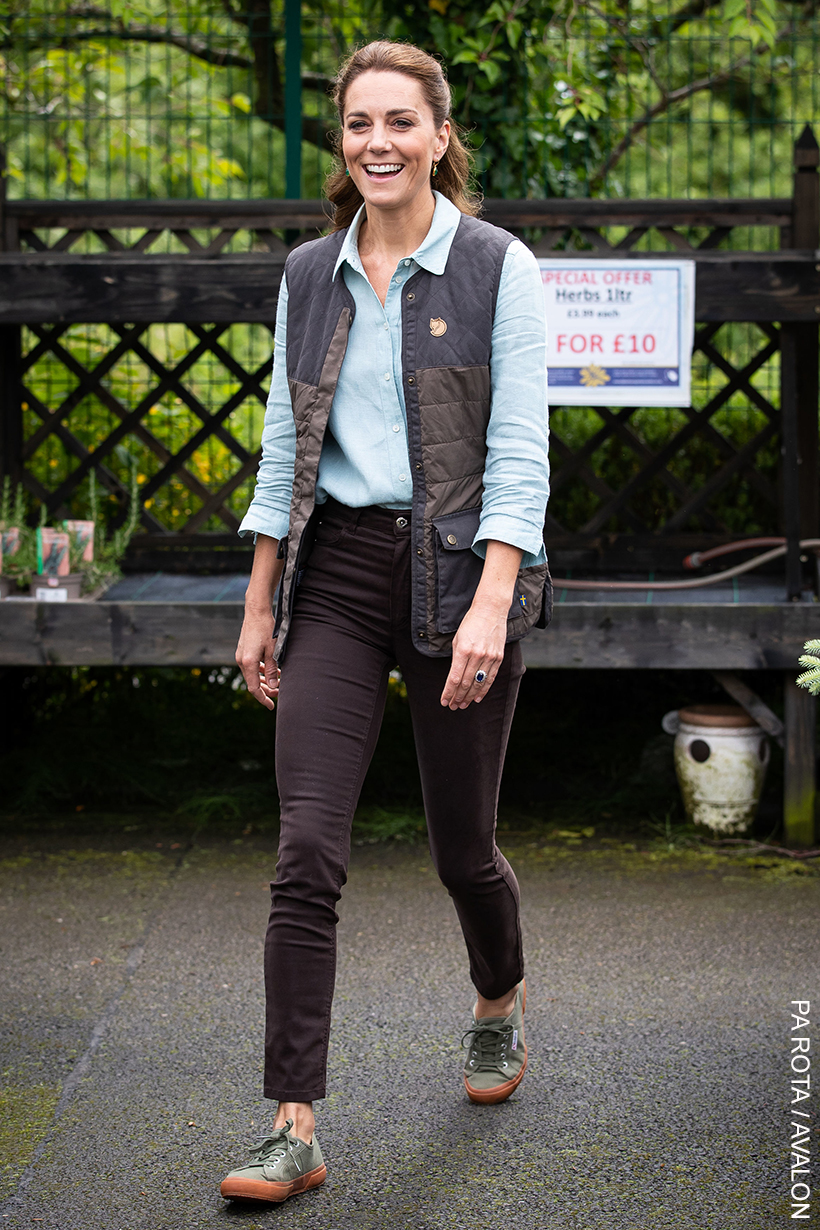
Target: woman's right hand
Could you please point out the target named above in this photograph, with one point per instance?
(254, 653)
(254, 656)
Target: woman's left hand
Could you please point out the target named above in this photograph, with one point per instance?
(478, 645)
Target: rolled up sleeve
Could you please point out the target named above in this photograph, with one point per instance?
(269, 510)
(516, 475)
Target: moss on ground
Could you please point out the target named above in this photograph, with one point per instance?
(26, 1112)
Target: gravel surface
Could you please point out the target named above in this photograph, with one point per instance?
(659, 989)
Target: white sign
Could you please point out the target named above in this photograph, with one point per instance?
(619, 333)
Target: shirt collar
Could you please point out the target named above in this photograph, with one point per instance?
(431, 254)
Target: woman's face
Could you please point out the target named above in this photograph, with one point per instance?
(389, 139)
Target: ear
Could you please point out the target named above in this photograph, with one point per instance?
(442, 140)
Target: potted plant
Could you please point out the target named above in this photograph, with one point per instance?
(94, 554)
(76, 559)
(18, 549)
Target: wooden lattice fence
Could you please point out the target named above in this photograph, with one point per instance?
(141, 332)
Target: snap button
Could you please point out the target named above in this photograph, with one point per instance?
(451, 538)
(419, 551)
(411, 295)
(411, 379)
(401, 522)
(422, 635)
(418, 465)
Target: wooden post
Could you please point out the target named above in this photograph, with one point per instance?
(293, 99)
(11, 408)
(799, 380)
(801, 502)
(799, 790)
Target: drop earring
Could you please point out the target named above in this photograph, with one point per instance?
(347, 170)
(435, 169)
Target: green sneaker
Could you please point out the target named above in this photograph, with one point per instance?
(278, 1166)
(497, 1056)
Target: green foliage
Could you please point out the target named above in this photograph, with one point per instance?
(109, 546)
(192, 744)
(811, 677)
(23, 562)
(168, 423)
(185, 97)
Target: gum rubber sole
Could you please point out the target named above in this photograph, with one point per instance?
(491, 1097)
(261, 1189)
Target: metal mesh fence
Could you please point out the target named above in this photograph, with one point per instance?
(187, 98)
(196, 98)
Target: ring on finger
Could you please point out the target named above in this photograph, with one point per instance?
(480, 676)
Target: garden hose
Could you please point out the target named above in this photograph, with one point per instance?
(693, 561)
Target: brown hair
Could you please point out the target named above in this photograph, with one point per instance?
(453, 175)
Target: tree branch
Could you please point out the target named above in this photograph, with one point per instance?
(669, 98)
(224, 58)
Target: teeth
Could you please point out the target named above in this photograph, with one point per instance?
(383, 169)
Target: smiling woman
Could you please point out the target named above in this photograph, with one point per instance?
(400, 501)
(450, 163)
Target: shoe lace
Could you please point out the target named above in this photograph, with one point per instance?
(488, 1048)
(270, 1148)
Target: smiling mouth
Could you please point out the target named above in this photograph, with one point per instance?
(383, 170)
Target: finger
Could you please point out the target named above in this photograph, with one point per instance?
(270, 685)
(473, 690)
(270, 668)
(481, 689)
(465, 686)
(454, 678)
(268, 682)
(254, 681)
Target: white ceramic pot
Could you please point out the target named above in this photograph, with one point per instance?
(721, 757)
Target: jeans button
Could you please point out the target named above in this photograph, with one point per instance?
(401, 522)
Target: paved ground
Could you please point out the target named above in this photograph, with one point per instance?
(657, 1018)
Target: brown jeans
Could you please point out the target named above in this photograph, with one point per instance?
(351, 627)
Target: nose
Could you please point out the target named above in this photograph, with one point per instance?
(379, 138)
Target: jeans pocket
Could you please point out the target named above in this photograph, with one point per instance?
(330, 530)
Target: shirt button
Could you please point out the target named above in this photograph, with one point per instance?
(387, 375)
(402, 478)
(396, 427)
(407, 262)
(386, 325)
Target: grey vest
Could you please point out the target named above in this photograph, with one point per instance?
(446, 379)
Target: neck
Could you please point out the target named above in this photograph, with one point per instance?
(396, 232)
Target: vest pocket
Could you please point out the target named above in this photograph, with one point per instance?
(458, 568)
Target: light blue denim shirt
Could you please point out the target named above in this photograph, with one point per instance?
(365, 456)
